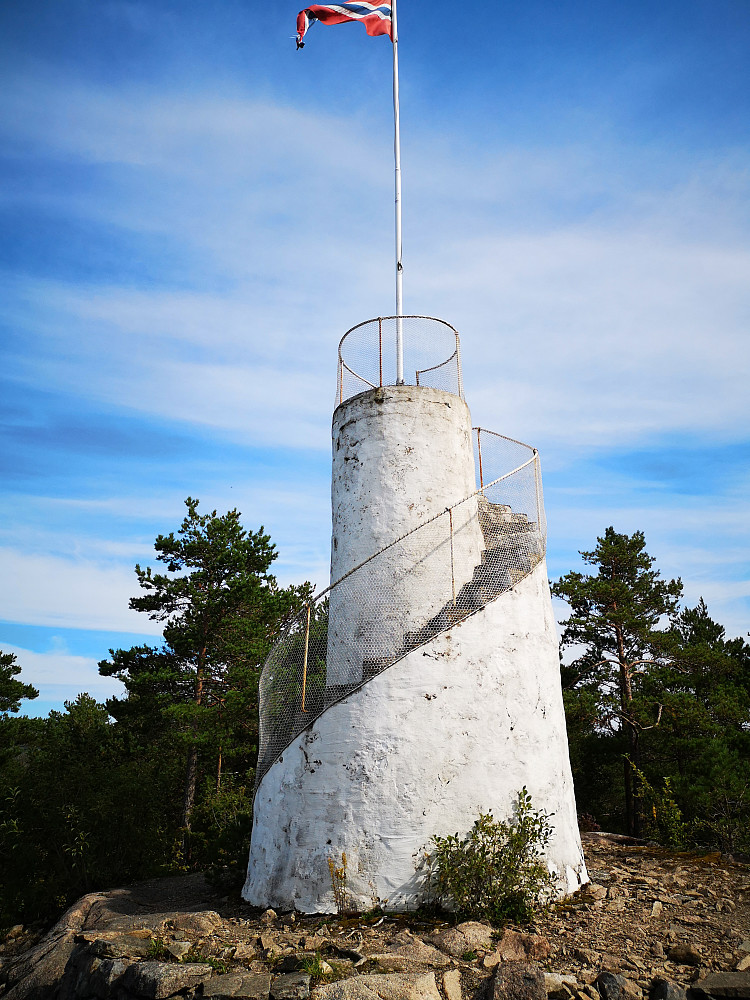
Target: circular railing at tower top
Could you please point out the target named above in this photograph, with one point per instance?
(367, 355)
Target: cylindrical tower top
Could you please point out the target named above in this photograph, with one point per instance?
(367, 355)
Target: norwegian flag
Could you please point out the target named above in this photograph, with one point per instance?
(376, 17)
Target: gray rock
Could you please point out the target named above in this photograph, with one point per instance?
(178, 949)
(720, 985)
(594, 891)
(452, 984)
(559, 987)
(517, 981)
(157, 980)
(685, 953)
(469, 936)
(611, 986)
(241, 986)
(406, 956)
(86, 975)
(203, 922)
(37, 972)
(414, 986)
(105, 975)
(587, 957)
(662, 989)
(295, 986)
(115, 945)
(516, 947)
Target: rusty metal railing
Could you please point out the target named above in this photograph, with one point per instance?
(367, 356)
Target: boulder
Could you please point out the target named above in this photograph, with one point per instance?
(611, 986)
(35, 974)
(113, 944)
(204, 922)
(406, 956)
(559, 987)
(516, 947)
(238, 986)
(294, 986)
(685, 953)
(720, 985)
(158, 980)
(469, 936)
(414, 986)
(662, 989)
(517, 981)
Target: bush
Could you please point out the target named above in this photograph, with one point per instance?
(497, 873)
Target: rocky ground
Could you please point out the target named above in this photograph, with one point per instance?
(650, 924)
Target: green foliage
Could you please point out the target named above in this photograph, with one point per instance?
(616, 618)
(221, 608)
(496, 873)
(663, 817)
(160, 779)
(80, 809)
(12, 692)
(157, 950)
(219, 838)
(313, 965)
(666, 691)
(195, 955)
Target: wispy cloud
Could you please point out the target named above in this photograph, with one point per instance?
(182, 253)
(59, 676)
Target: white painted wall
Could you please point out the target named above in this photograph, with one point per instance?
(456, 727)
(401, 454)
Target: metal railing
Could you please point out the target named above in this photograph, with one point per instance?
(367, 356)
(306, 672)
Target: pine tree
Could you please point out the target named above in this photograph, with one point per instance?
(220, 606)
(616, 616)
(12, 691)
(703, 742)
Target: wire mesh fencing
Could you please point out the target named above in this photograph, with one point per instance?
(367, 355)
(401, 597)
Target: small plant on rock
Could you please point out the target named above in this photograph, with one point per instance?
(497, 872)
(157, 950)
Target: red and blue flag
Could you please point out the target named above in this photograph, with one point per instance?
(375, 16)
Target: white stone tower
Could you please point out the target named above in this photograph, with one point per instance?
(423, 687)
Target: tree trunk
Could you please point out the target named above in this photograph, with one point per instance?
(191, 781)
(191, 768)
(632, 810)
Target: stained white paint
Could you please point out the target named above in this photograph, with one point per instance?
(456, 727)
(401, 455)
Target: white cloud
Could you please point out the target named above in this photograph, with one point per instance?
(59, 676)
(613, 312)
(609, 325)
(48, 590)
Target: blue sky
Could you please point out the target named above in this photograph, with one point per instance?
(192, 213)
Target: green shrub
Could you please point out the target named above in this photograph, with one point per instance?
(662, 816)
(496, 873)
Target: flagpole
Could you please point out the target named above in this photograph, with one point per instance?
(397, 163)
